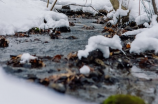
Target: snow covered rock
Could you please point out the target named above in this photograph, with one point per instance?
(102, 43)
(85, 70)
(26, 57)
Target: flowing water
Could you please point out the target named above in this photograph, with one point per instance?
(139, 82)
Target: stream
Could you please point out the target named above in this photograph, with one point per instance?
(139, 82)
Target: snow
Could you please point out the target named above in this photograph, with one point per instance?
(22, 15)
(146, 40)
(134, 32)
(118, 14)
(102, 43)
(18, 91)
(97, 4)
(85, 70)
(139, 13)
(26, 57)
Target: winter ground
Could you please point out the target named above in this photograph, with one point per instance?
(13, 19)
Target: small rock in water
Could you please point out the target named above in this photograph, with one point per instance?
(59, 87)
(71, 24)
(62, 29)
(71, 37)
(4, 42)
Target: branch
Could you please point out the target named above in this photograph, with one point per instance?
(53, 5)
(47, 3)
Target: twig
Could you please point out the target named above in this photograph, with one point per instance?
(47, 3)
(53, 5)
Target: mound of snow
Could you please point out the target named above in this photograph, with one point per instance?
(17, 91)
(22, 15)
(102, 43)
(26, 57)
(85, 70)
(146, 40)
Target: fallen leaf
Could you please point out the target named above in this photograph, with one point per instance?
(57, 58)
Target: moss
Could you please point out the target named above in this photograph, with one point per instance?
(123, 99)
(36, 29)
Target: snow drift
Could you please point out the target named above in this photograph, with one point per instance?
(22, 15)
(17, 91)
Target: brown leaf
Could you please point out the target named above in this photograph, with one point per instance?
(128, 45)
(57, 58)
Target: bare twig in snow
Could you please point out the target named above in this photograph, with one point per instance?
(53, 5)
(47, 3)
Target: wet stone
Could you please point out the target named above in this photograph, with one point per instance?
(59, 87)
(62, 29)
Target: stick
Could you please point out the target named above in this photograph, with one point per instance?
(47, 3)
(53, 5)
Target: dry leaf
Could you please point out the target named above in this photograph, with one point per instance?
(57, 58)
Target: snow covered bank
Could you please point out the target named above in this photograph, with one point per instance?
(97, 4)
(17, 91)
(22, 15)
(102, 43)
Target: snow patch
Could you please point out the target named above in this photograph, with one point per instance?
(26, 57)
(85, 70)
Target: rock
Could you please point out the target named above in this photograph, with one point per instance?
(59, 87)
(132, 24)
(36, 63)
(62, 29)
(108, 24)
(66, 7)
(100, 21)
(88, 27)
(124, 63)
(124, 37)
(71, 24)
(128, 28)
(110, 80)
(4, 42)
(71, 37)
(94, 87)
(84, 81)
